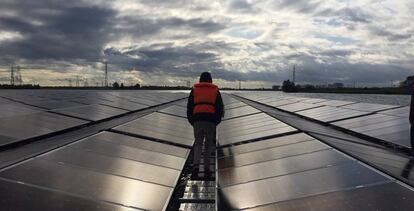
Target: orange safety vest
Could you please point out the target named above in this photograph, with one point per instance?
(205, 95)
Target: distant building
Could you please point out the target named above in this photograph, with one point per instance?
(336, 85)
(276, 87)
(409, 81)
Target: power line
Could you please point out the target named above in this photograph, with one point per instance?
(106, 74)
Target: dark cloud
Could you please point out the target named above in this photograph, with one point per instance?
(60, 35)
(311, 71)
(346, 15)
(241, 6)
(336, 53)
(302, 6)
(142, 26)
(392, 36)
(72, 33)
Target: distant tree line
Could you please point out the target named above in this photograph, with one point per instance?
(24, 86)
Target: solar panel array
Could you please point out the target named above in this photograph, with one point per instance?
(298, 172)
(26, 114)
(262, 162)
(106, 171)
(388, 123)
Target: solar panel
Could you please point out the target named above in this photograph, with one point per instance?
(329, 114)
(90, 184)
(271, 154)
(15, 109)
(91, 112)
(281, 102)
(369, 107)
(279, 167)
(401, 112)
(175, 110)
(313, 100)
(241, 111)
(393, 129)
(389, 196)
(298, 106)
(254, 133)
(115, 166)
(263, 144)
(131, 153)
(21, 127)
(293, 186)
(55, 104)
(17, 196)
(125, 104)
(140, 143)
(335, 103)
(161, 126)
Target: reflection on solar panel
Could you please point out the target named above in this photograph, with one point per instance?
(18, 196)
(296, 185)
(175, 110)
(329, 113)
(263, 144)
(91, 112)
(234, 105)
(281, 102)
(241, 111)
(298, 107)
(16, 128)
(89, 183)
(55, 104)
(249, 128)
(121, 165)
(124, 104)
(15, 109)
(388, 196)
(370, 107)
(161, 126)
(335, 103)
(401, 112)
(393, 129)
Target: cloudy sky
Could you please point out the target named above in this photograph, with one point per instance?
(369, 42)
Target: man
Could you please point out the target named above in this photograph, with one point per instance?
(204, 112)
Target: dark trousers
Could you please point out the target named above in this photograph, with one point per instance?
(204, 132)
(412, 138)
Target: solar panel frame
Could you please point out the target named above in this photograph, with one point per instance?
(279, 167)
(17, 196)
(288, 187)
(271, 154)
(90, 184)
(115, 165)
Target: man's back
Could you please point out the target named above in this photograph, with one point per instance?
(204, 111)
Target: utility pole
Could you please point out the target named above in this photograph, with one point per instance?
(106, 74)
(239, 85)
(12, 75)
(77, 81)
(18, 79)
(294, 73)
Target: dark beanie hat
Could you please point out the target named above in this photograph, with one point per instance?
(206, 77)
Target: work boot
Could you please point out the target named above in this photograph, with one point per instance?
(194, 173)
(208, 175)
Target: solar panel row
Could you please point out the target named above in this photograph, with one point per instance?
(386, 122)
